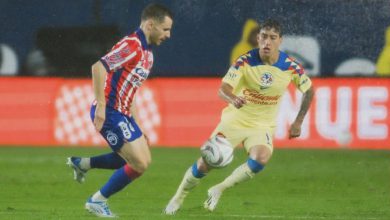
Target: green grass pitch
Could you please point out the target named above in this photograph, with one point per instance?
(35, 183)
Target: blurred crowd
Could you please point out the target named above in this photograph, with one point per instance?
(47, 41)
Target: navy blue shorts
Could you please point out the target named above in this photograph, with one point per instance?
(117, 128)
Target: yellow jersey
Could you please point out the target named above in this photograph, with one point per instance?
(263, 87)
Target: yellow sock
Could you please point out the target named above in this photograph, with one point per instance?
(189, 182)
(239, 175)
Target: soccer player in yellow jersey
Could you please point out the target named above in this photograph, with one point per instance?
(253, 87)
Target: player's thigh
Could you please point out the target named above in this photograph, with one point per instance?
(125, 137)
(136, 153)
(233, 135)
(260, 153)
(259, 145)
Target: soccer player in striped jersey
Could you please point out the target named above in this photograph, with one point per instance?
(116, 78)
(253, 88)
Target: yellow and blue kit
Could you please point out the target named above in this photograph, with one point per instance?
(263, 87)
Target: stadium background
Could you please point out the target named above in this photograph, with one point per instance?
(204, 32)
(340, 171)
(48, 41)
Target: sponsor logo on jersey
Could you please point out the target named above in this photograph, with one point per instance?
(231, 75)
(141, 72)
(258, 98)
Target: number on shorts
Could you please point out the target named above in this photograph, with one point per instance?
(125, 130)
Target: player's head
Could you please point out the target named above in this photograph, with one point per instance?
(156, 22)
(270, 37)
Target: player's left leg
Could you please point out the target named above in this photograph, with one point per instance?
(126, 139)
(259, 155)
(190, 180)
(81, 165)
(112, 160)
(138, 158)
(198, 170)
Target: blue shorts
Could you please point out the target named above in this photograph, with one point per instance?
(117, 128)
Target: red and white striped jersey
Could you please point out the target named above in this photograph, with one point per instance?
(128, 64)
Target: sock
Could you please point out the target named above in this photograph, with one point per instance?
(107, 161)
(190, 180)
(195, 172)
(254, 165)
(98, 197)
(121, 178)
(241, 174)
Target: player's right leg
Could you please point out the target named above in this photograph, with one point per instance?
(111, 160)
(79, 169)
(190, 180)
(81, 165)
(258, 157)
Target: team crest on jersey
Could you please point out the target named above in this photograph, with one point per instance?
(266, 80)
(112, 138)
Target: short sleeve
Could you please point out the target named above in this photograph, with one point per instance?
(300, 79)
(121, 55)
(232, 77)
(235, 72)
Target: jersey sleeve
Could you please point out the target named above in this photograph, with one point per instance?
(234, 74)
(300, 79)
(124, 53)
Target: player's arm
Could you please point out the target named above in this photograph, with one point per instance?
(226, 93)
(99, 74)
(295, 129)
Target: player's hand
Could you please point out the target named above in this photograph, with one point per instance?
(238, 101)
(100, 116)
(295, 130)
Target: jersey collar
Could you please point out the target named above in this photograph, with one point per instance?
(141, 36)
(279, 63)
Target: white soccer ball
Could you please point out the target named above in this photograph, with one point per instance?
(217, 152)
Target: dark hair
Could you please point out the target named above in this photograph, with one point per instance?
(272, 24)
(156, 11)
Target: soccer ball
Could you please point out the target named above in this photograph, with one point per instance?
(217, 152)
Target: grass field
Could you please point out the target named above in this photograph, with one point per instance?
(35, 183)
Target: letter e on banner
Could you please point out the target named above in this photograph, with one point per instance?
(372, 113)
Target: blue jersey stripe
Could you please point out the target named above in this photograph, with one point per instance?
(254, 59)
(114, 84)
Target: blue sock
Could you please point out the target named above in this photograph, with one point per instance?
(254, 165)
(197, 173)
(107, 161)
(117, 182)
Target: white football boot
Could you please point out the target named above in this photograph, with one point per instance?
(78, 173)
(214, 194)
(174, 205)
(99, 209)
(188, 183)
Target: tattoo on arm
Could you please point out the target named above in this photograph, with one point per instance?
(306, 101)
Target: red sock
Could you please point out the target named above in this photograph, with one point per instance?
(131, 173)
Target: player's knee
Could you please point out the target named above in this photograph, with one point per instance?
(261, 154)
(262, 160)
(142, 165)
(202, 166)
